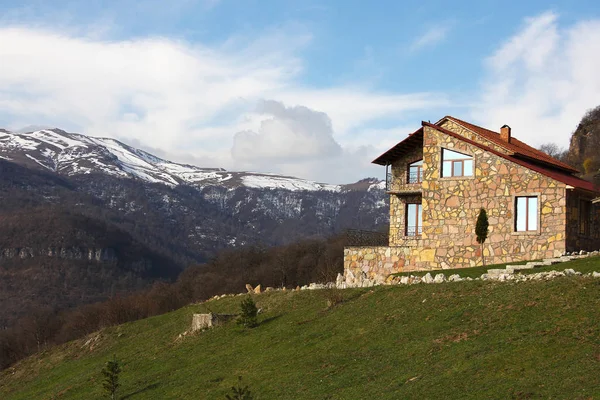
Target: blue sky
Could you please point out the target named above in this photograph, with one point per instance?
(306, 88)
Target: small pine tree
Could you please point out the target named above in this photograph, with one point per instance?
(249, 312)
(111, 372)
(481, 230)
(239, 392)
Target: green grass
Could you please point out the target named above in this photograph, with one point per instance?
(583, 265)
(467, 340)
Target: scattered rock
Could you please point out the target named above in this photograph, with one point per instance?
(257, 289)
(427, 278)
(454, 278)
(340, 280)
(439, 278)
(249, 288)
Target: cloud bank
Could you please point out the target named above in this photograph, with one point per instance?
(189, 100)
(542, 80)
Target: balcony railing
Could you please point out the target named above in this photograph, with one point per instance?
(415, 176)
(414, 230)
(406, 183)
(357, 237)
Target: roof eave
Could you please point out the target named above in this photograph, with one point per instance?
(396, 151)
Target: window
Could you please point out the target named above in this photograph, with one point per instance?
(415, 172)
(526, 218)
(414, 219)
(585, 214)
(456, 164)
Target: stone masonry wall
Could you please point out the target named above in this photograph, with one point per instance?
(451, 207)
(379, 262)
(575, 240)
(398, 217)
(450, 210)
(464, 132)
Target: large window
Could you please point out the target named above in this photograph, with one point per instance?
(585, 217)
(526, 218)
(456, 164)
(414, 219)
(415, 172)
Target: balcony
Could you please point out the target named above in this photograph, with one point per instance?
(409, 183)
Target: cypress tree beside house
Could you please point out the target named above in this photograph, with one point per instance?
(481, 230)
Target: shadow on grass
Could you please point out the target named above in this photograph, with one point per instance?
(269, 320)
(149, 387)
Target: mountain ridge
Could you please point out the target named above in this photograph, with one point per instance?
(77, 154)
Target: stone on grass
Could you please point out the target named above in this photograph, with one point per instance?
(439, 278)
(427, 278)
(454, 278)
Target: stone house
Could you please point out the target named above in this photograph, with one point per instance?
(439, 178)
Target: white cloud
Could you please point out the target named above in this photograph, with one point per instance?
(188, 100)
(431, 37)
(288, 134)
(542, 80)
(293, 140)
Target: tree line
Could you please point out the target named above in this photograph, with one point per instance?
(312, 260)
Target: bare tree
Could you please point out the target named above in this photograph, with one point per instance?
(553, 150)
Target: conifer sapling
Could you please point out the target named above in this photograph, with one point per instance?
(111, 372)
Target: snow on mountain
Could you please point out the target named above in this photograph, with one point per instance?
(75, 154)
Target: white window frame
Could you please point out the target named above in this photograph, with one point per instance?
(538, 221)
(461, 161)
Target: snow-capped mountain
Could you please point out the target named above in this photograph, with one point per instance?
(73, 154)
(205, 209)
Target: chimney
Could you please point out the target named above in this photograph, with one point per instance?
(505, 133)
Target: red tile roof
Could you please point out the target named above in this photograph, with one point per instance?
(515, 145)
(561, 176)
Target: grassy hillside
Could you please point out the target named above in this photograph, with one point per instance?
(468, 340)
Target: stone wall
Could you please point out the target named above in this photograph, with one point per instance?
(450, 210)
(377, 263)
(205, 321)
(575, 240)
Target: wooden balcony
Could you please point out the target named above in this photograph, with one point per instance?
(405, 184)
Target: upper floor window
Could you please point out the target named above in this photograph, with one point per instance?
(585, 217)
(415, 172)
(456, 164)
(526, 213)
